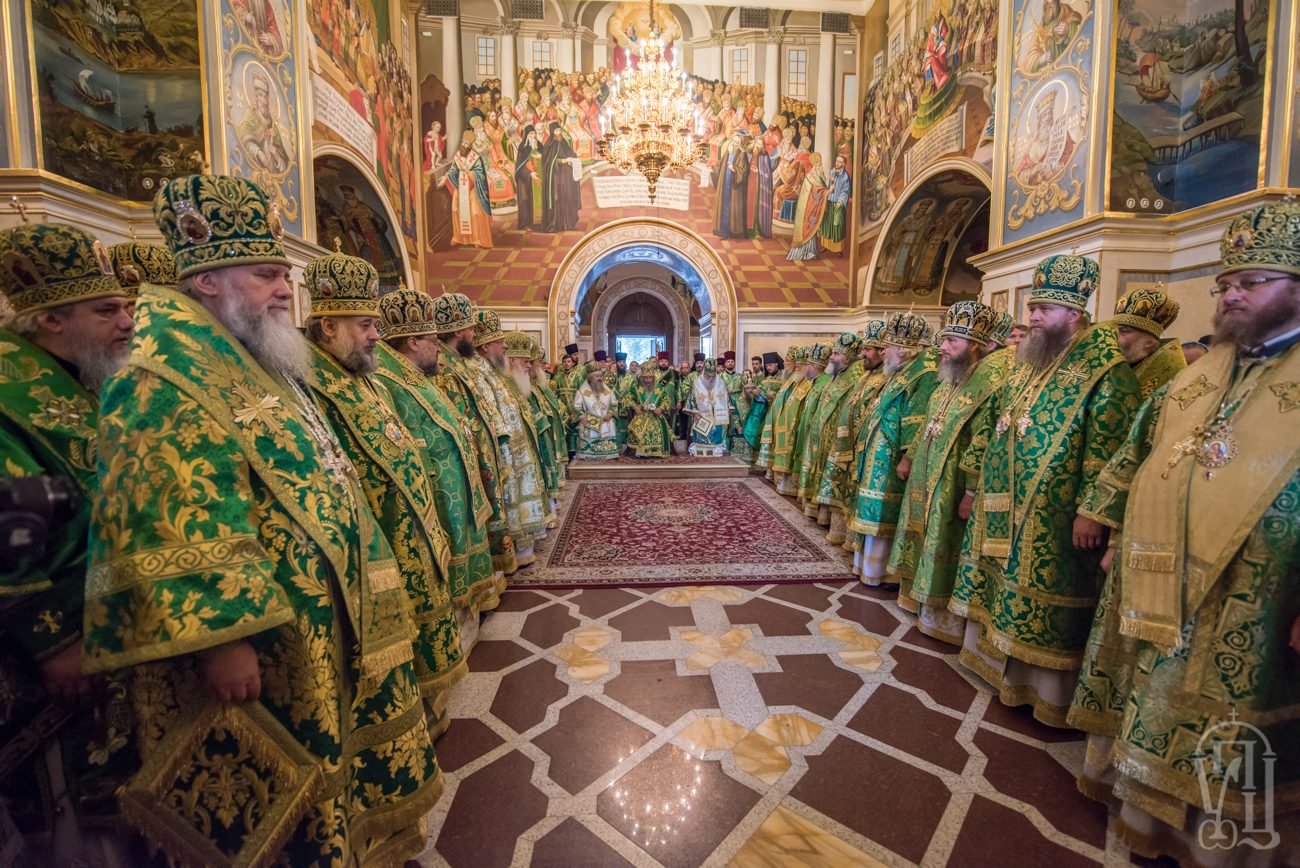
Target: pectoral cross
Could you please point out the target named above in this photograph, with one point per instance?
(1022, 424)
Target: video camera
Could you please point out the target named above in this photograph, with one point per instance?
(30, 506)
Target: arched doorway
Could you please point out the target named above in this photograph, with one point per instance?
(673, 262)
(353, 218)
(643, 307)
(935, 226)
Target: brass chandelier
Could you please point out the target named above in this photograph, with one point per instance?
(650, 119)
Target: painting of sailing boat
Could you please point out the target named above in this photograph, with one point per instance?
(1189, 102)
(119, 93)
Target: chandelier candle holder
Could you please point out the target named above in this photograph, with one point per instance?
(650, 124)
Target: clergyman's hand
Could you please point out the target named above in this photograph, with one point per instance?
(904, 468)
(964, 508)
(231, 672)
(1088, 534)
(64, 678)
(1107, 559)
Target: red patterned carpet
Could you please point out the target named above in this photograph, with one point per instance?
(648, 534)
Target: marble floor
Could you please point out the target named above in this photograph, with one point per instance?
(767, 725)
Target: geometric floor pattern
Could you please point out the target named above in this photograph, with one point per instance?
(648, 533)
(762, 725)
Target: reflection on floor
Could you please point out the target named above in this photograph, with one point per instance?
(772, 725)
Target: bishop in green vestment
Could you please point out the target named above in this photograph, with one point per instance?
(836, 487)
(1029, 577)
(761, 391)
(455, 320)
(789, 422)
(568, 380)
(649, 407)
(344, 332)
(527, 504)
(237, 576)
(1141, 318)
(519, 364)
(70, 331)
(549, 404)
(891, 422)
(798, 357)
(408, 359)
(924, 557)
(740, 400)
(822, 413)
(1105, 675)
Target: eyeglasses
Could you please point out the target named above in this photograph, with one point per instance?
(1246, 286)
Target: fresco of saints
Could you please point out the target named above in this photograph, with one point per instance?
(732, 194)
(258, 20)
(835, 224)
(631, 24)
(809, 212)
(260, 135)
(501, 185)
(471, 212)
(528, 179)
(1051, 143)
(894, 257)
(934, 66)
(789, 183)
(435, 147)
(370, 231)
(561, 192)
(1050, 36)
(575, 124)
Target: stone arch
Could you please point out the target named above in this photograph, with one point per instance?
(674, 302)
(376, 188)
(715, 292)
(904, 201)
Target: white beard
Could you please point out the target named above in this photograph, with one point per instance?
(272, 340)
(523, 381)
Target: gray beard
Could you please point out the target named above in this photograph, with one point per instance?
(893, 367)
(834, 368)
(1040, 348)
(953, 370)
(357, 362)
(272, 340)
(96, 364)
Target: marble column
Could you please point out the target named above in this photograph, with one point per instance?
(719, 38)
(772, 74)
(577, 49)
(600, 54)
(566, 60)
(825, 130)
(453, 76)
(509, 58)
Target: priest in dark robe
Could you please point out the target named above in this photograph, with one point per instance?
(528, 185)
(733, 190)
(561, 194)
(760, 191)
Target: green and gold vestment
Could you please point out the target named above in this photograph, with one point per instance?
(47, 428)
(766, 388)
(889, 426)
(647, 433)
(838, 483)
(1160, 367)
(480, 413)
(767, 440)
(785, 434)
(447, 448)
(391, 468)
(822, 412)
(229, 513)
(1211, 589)
(928, 543)
(525, 498)
(1036, 445)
